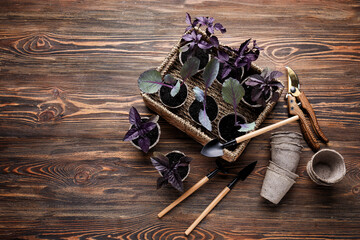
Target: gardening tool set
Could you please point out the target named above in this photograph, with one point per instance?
(285, 155)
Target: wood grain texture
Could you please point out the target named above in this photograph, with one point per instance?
(68, 76)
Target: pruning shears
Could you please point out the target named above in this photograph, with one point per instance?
(293, 96)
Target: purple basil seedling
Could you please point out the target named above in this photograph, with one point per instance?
(263, 84)
(194, 40)
(139, 129)
(169, 170)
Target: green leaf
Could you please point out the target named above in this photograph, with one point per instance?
(175, 89)
(247, 127)
(204, 120)
(185, 48)
(170, 79)
(199, 94)
(211, 71)
(150, 81)
(232, 91)
(190, 68)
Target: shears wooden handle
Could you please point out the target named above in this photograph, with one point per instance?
(307, 106)
(294, 109)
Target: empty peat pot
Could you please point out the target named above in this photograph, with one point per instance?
(282, 171)
(326, 167)
(153, 135)
(275, 185)
(286, 158)
(293, 137)
(227, 129)
(173, 102)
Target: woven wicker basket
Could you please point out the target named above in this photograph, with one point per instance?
(180, 117)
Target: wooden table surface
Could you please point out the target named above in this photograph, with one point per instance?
(68, 77)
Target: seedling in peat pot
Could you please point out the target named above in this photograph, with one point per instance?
(173, 168)
(263, 86)
(195, 44)
(150, 82)
(209, 75)
(143, 133)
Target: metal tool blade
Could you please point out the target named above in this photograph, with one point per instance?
(245, 172)
(293, 80)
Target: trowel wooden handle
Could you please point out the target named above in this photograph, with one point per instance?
(207, 210)
(266, 129)
(184, 196)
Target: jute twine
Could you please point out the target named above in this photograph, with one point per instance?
(180, 117)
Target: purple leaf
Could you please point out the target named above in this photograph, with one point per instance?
(161, 182)
(210, 72)
(148, 126)
(188, 37)
(144, 144)
(219, 27)
(275, 74)
(134, 117)
(204, 45)
(160, 162)
(175, 180)
(188, 28)
(243, 47)
(185, 160)
(222, 56)
(132, 134)
(262, 85)
(256, 94)
(214, 41)
(188, 19)
(204, 120)
(225, 71)
(276, 84)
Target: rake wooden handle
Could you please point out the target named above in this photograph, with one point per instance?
(184, 196)
(207, 210)
(266, 129)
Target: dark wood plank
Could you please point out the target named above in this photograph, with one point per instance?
(68, 76)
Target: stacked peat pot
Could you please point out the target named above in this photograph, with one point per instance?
(280, 175)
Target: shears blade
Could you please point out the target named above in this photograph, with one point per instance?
(293, 80)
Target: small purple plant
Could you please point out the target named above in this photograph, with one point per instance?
(263, 84)
(139, 129)
(245, 56)
(169, 171)
(194, 40)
